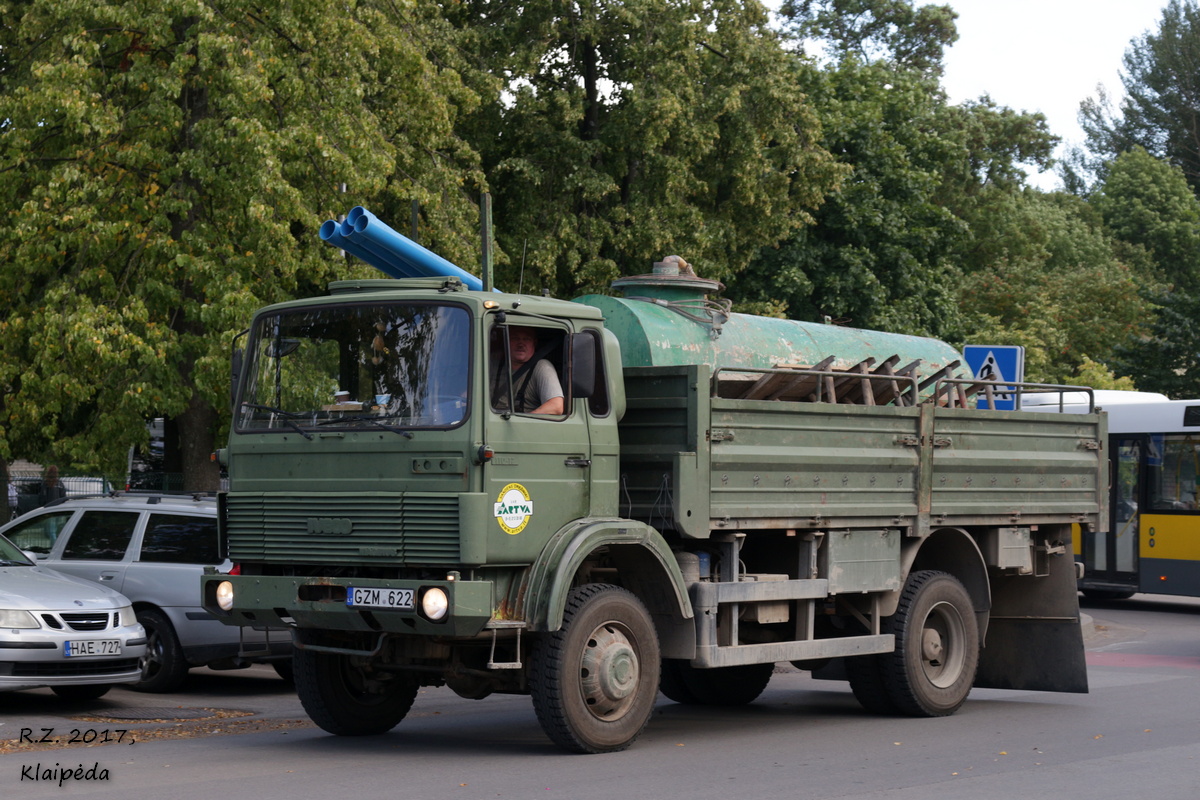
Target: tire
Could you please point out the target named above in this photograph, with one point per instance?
(284, 670)
(672, 685)
(931, 671)
(1108, 594)
(164, 669)
(719, 686)
(81, 693)
(866, 681)
(595, 680)
(346, 697)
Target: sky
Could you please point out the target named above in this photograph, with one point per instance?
(1044, 55)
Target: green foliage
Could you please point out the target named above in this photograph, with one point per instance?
(1161, 108)
(1167, 359)
(166, 165)
(1145, 201)
(1053, 284)
(907, 36)
(630, 131)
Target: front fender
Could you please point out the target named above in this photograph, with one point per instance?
(646, 559)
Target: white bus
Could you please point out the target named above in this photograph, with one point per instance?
(1153, 541)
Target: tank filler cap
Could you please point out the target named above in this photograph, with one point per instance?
(675, 285)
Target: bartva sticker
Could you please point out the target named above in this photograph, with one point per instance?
(513, 508)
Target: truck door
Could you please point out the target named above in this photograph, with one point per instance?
(539, 476)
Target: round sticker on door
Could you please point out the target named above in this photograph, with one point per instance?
(513, 508)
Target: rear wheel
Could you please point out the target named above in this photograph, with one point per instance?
(93, 692)
(345, 696)
(866, 681)
(719, 686)
(594, 681)
(931, 671)
(164, 669)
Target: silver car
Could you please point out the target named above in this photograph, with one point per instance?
(63, 632)
(152, 548)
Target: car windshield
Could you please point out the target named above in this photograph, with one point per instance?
(382, 366)
(11, 555)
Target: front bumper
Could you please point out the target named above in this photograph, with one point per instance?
(320, 604)
(33, 658)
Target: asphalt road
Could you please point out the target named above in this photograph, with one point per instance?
(1136, 734)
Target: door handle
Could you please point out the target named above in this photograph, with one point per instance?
(578, 462)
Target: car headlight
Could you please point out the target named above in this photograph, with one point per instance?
(17, 618)
(225, 595)
(434, 603)
(127, 617)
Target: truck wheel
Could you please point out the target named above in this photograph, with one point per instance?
(346, 698)
(866, 681)
(931, 671)
(719, 686)
(672, 685)
(594, 681)
(79, 693)
(164, 669)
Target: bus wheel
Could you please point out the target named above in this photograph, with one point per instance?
(937, 646)
(594, 681)
(719, 686)
(346, 697)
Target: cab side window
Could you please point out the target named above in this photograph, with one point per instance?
(101, 536)
(180, 539)
(526, 375)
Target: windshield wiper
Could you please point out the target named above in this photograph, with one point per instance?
(288, 417)
(376, 421)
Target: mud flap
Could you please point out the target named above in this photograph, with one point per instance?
(1034, 640)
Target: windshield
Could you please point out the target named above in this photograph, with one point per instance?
(396, 366)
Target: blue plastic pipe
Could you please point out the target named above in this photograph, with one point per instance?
(365, 236)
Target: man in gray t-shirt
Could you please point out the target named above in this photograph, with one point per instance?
(536, 388)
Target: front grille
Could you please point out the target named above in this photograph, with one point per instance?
(86, 621)
(409, 529)
(49, 669)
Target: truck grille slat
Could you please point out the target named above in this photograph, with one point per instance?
(406, 529)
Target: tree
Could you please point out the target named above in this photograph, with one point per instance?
(629, 131)
(1146, 201)
(165, 166)
(893, 31)
(888, 248)
(1161, 108)
(1053, 283)
(1167, 358)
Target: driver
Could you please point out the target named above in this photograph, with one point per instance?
(536, 388)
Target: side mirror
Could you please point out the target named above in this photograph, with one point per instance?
(235, 361)
(583, 365)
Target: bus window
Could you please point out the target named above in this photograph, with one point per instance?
(1172, 472)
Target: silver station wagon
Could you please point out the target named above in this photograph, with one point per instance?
(63, 632)
(152, 548)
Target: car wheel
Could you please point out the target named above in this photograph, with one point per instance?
(76, 693)
(164, 668)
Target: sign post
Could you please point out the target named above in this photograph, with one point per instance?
(1001, 363)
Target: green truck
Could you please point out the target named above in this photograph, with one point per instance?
(715, 494)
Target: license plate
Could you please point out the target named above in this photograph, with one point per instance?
(92, 647)
(379, 598)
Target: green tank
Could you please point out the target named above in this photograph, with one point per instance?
(666, 319)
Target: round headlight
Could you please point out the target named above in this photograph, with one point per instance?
(225, 595)
(434, 603)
